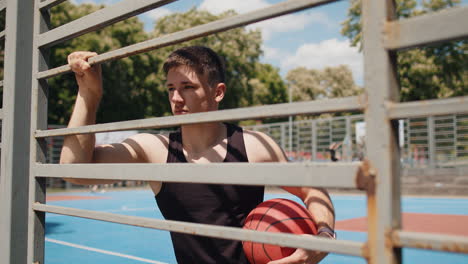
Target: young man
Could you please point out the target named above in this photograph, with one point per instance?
(195, 83)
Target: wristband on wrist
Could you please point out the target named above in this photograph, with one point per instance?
(326, 231)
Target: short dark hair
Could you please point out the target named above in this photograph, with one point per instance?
(202, 60)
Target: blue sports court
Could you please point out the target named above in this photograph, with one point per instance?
(77, 240)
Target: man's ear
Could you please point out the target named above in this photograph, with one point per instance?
(220, 92)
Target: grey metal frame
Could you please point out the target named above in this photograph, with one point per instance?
(379, 176)
(383, 208)
(16, 111)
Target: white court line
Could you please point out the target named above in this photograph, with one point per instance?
(103, 251)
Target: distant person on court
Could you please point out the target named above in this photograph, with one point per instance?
(195, 83)
(333, 149)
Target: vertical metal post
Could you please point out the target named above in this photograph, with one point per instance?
(15, 132)
(38, 150)
(290, 123)
(314, 140)
(348, 147)
(431, 140)
(384, 214)
(455, 139)
(283, 144)
(410, 149)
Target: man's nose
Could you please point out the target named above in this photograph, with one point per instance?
(176, 96)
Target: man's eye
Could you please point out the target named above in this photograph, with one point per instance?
(170, 89)
(189, 86)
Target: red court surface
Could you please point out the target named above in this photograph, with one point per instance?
(72, 197)
(416, 222)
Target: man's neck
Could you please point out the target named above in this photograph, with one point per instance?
(198, 138)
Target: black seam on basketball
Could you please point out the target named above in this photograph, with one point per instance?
(292, 218)
(266, 253)
(271, 206)
(252, 244)
(277, 222)
(258, 224)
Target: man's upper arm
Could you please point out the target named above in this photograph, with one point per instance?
(140, 148)
(262, 148)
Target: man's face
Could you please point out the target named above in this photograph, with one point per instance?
(188, 92)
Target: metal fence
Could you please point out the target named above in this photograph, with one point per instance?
(425, 142)
(24, 170)
(435, 141)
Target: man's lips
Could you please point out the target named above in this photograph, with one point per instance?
(180, 111)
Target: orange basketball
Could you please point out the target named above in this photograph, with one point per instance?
(276, 215)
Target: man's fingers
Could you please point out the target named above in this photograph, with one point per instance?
(78, 61)
(298, 257)
(301, 256)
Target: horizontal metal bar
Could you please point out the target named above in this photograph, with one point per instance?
(277, 110)
(195, 32)
(2, 35)
(278, 174)
(289, 240)
(97, 20)
(450, 243)
(446, 25)
(46, 4)
(428, 108)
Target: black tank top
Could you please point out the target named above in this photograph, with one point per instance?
(225, 205)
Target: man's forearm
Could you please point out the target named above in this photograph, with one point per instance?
(80, 148)
(318, 201)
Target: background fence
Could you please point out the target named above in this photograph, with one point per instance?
(425, 142)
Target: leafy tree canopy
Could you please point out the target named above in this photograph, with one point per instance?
(430, 72)
(134, 86)
(313, 84)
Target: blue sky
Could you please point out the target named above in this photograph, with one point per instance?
(309, 38)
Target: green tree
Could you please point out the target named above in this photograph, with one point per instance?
(134, 87)
(435, 71)
(249, 82)
(128, 93)
(312, 84)
(267, 86)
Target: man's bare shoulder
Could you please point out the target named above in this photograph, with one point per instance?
(262, 148)
(151, 146)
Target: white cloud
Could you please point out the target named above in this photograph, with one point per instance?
(217, 6)
(270, 53)
(331, 52)
(158, 13)
(290, 23)
(287, 23)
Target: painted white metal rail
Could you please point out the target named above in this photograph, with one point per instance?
(442, 26)
(440, 242)
(195, 32)
(427, 107)
(97, 20)
(312, 107)
(46, 4)
(344, 175)
(294, 241)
